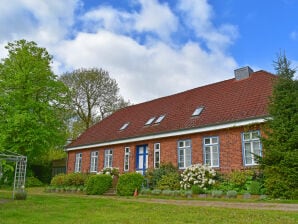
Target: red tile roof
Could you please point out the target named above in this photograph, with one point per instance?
(227, 101)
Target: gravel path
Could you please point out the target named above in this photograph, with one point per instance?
(239, 205)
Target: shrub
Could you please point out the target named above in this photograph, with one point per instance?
(169, 181)
(197, 174)
(59, 180)
(232, 194)
(128, 183)
(167, 193)
(33, 182)
(156, 192)
(255, 187)
(239, 178)
(154, 175)
(113, 171)
(98, 184)
(197, 190)
(216, 193)
(75, 179)
(145, 191)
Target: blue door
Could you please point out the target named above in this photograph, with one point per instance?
(142, 159)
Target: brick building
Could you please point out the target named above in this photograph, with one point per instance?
(218, 124)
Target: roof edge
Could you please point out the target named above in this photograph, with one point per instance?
(174, 133)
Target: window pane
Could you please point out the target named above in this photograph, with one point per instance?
(214, 140)
(181, 144)
(246, 136)
(187, 143)
(255, 135)
(187, 157)
(207, 141)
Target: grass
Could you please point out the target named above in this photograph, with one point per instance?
(52, 208)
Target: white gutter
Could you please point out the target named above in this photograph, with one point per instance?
(173, 133)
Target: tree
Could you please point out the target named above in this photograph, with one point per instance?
(280, 162)
(94, 96)
(32, 102)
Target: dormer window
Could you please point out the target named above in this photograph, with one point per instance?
(150, 121)
(159, 119)
(124, 126)
(198, 111)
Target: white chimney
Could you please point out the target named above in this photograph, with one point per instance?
(242, 73)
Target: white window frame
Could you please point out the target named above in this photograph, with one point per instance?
(184, 153)
(212, 144)
(156, 158)
(93, 161)
(108, 162)
(78, 162)
(126, 158)
(249, 139)
(150, 121)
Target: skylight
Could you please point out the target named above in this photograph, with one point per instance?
(198, 111)
(124, 126)
(159, 119)
(150, 121)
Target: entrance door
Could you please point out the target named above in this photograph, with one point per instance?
(142, 159)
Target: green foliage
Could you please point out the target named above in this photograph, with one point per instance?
(170, 181)
(197, 190)
(239, 178)
(280, 163)
(33, 182)
(154, 175)
(75, 179)
(32, 101)
(70, 179)
(156, 192)
(232, 194)
(94, 95)
(255, 187)
(216, 193)
(128, 183)
(59, 180)
(98, 184)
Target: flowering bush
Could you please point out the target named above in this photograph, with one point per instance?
(113, 171)
(197, 174)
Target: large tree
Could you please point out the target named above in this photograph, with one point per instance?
(32, 102)
(280, 162)
(94, 94)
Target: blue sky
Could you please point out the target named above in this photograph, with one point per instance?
(155, 48)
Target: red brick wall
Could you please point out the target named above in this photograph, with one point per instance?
(230, 149)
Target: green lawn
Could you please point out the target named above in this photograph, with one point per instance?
(51, 208)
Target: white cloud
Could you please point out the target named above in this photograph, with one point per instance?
(153, 17)
(110, 39)
(144, 72)
(294, 35)
(198, 15)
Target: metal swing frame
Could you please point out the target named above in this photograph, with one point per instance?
(20, 169)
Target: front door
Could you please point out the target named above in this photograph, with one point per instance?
(142, 159)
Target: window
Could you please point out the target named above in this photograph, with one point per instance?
(156, 155)
(184, 154)
(93, 161)
(124, 126)
(150, 121)
(198, 111)
(126, 158)
(211, 151)
(251, 146)
(78, 163)
(108, 158)
(159, 119)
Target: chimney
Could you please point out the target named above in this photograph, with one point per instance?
(242, 73)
